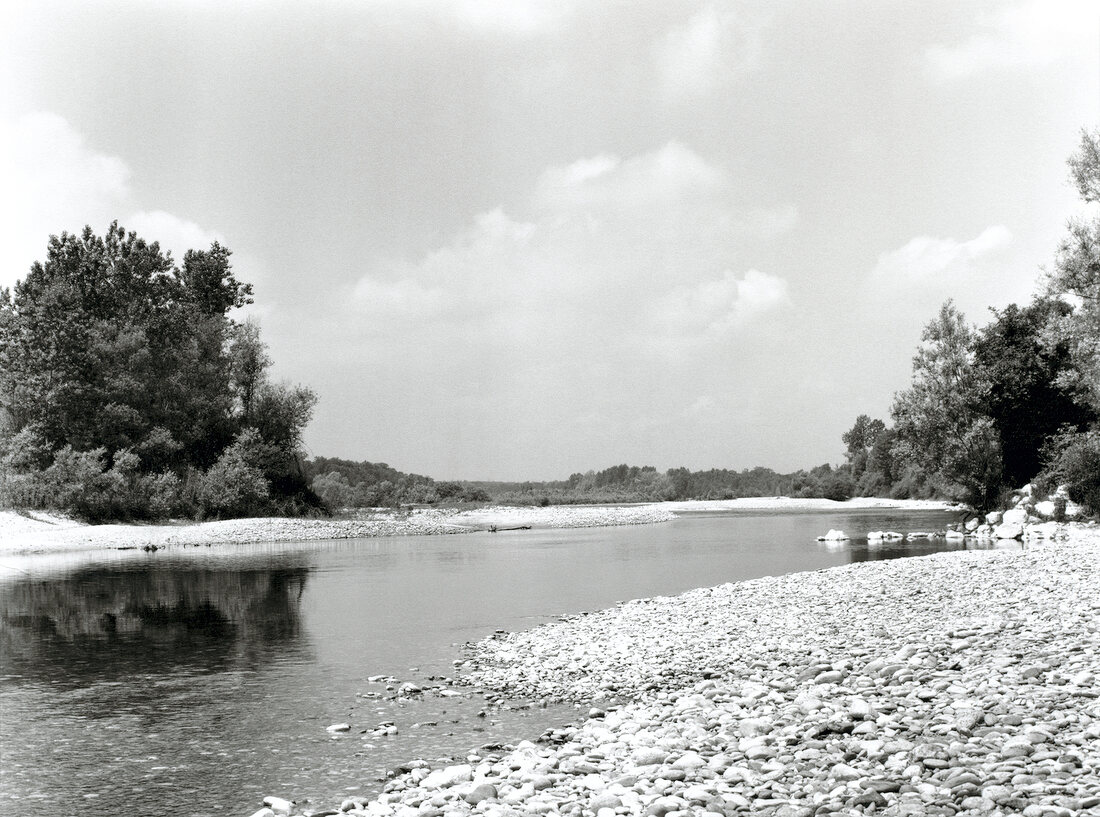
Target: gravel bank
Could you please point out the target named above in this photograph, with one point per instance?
(40, 532)
(958, 683)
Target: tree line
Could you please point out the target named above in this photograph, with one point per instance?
(990, 409)
(127, 391)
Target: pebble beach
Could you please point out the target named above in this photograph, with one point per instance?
(958, 683)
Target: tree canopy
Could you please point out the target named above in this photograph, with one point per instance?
(112, 356)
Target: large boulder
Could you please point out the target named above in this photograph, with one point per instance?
(1015, 516)
(993, 518)
(1009, 530)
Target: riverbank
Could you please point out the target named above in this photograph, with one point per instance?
(957, 683)
(36, 532)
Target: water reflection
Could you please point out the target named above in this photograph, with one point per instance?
(102, 625)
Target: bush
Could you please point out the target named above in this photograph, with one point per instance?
(235, 486)
(1073, 460)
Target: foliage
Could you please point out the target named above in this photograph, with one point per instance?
(1021, 370)
(1074, 461)
(1076, 279)
(235, 484)
(122, 375)
(939, 425)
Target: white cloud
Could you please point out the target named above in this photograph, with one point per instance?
(930, 260)
(703, 54)
(512, 18)
(173, 233)
(56, 182)
(1020, 35)
(618, 248)
(667, 176)
(720, 306)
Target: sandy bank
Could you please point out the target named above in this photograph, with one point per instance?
(36, 532)
(786, 503)
(962, 683)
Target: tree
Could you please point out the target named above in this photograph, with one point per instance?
(1022, 369)
(859, 440)
(112, 356)
(1076, 278)
(938, 421)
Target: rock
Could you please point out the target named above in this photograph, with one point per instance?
(604, 799)
(833, 536)
(485, 791)
(449, 776)
(993, 518)
(1009, 530)
(338, 727)
(649, 757)
(1015, 516)
(264, 812)
(1017, 747)
(842, 771)
(875, 536)
(279, 805)
(954, 536)
(1045, 508)
(972, 523)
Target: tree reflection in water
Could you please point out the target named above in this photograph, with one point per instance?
(101, 625)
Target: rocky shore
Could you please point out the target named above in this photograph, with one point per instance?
(41, 532)
(958, 683)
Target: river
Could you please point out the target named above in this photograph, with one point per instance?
(197, 681)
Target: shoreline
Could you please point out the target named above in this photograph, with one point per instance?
(960, 683)
(42, 532)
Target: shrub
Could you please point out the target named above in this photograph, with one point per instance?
(234, 485)
(1073, 460)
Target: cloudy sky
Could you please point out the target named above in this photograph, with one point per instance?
(518, 239)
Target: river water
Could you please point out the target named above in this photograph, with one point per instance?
(197, 681)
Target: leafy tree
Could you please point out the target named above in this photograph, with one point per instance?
(122, 375)
(1021, 370)
(939, 425)
(1076, 276)
(859, 440)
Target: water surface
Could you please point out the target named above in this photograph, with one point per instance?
(196, 681)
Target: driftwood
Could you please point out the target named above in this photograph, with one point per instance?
(495, 529)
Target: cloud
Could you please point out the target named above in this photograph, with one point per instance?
(620, 253)
(931, 260)
(510, 18)
(668, 176)
(1022, 35)
(175, 234)
(720, 306)
(56, 182)
(703, 54)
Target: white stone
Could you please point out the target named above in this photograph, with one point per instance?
(1010, 530)
(279, 805)
(1016, 516)
(449, 776)
(993, 518)
(338, 727)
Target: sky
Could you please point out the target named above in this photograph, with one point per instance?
(516, 240)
